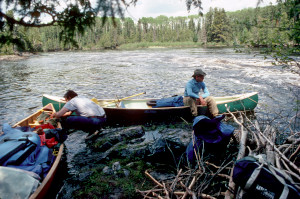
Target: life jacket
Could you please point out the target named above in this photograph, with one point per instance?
(17, 146)
(23, 150)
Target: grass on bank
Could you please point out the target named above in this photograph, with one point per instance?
(101, 185)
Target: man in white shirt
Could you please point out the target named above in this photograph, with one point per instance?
(89, 117)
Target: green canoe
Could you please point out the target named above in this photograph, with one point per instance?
(137, 111)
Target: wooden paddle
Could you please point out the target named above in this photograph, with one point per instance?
(117, 100)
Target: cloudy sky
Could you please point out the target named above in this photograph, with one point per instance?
(154, 8)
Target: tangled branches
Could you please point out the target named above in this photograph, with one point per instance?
(208, 180)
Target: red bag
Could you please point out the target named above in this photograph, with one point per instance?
(48, 142)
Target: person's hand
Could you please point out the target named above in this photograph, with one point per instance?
(53, 115)
(198, 102)
(202, 101)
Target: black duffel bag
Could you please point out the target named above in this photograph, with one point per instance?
(257, 180)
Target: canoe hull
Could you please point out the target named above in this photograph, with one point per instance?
(145, 114)
(46, 183)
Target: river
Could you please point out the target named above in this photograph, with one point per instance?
(160, 72)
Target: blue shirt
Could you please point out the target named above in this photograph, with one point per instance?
(193, 88)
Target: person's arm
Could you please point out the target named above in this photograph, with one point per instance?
(62, 113)
(205, 91)
(190, 92)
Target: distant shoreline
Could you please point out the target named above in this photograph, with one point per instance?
(15, 57)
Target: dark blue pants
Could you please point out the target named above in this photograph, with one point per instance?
(86, 124)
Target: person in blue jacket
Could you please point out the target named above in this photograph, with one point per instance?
(192, 98)
(89, 117)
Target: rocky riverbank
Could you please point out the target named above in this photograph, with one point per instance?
(114, 164)
(142, 162)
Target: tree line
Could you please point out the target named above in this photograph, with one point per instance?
(268, 26)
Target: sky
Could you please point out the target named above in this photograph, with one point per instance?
(154, 8)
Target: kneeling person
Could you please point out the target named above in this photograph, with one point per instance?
(89, 117)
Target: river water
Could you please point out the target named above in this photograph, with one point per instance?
(159, 72)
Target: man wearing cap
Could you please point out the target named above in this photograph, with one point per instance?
(192, 97)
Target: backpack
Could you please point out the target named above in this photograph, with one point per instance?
(212, 133)
(256, 179)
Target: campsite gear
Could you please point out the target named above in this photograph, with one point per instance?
(15, 183)
(257, 179)
(134, 111)
(44, 118)
(176, 101)
(50, 136)
(212, 132)
(17, 147)
(44, 157)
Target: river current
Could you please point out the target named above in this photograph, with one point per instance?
(159, 72)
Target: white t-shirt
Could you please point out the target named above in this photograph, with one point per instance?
(84, 107)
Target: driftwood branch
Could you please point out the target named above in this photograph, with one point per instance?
(241, 154)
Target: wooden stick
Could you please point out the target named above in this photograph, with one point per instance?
(276, 149)
(166, 191)
(281, 154)
(153, 179)
(197, 155)
(289, 147)
(147, 191)
(188, 189)
(224, 176)
(217, 167)
(205, 196)
(241, 154)
(157, 195)
(277, 161)
(297, 150)
(192, 183)
(175, 180)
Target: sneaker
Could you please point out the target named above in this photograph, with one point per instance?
(90, 136)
